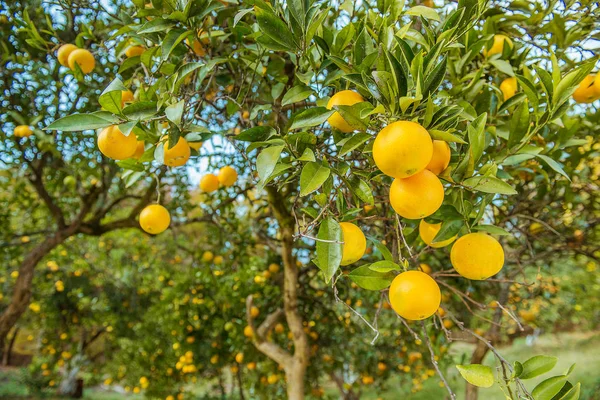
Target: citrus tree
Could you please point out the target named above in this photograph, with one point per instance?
(434, 135)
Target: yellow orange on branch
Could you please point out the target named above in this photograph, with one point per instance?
(343, 98)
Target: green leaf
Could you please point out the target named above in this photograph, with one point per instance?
(266, 161)
(519, 124)
(537, 365)
(329, 253)
(353, 142)
(361, 189)
(353, 114)
(310, 117)
(423, 11)
(448, 230)
(127, 127)
(445, 136)
(384, 266)
(503, 66)
(494, 230)
(476, 133)
(313, 175)
(307, 155)
(81, 122)
(140, 110)
(272, 26)
(174, 112)
(385, 252)
(110, 99)
(568, 84)
(296, 94)
(256, 134)
(554, 165)
(549, 387)
(517, 370)
(573, 394)
(368, 279)
(156, 25)
(173, 38)
(240, 15)
(489, 184)
(477, 374)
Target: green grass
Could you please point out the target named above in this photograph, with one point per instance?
(579, 348)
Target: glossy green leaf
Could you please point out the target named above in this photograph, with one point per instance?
(477, 374)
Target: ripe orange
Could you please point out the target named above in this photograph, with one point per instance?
(273, 268)
(415, 295)
(440, 158)
(207, 256)
(402, 149)
(418, 196)
(239, 358)
(251, 366)
(139, 150)
(126, 97)
(508, 87)
(428, 231)
(218, 260)
(254, 311)
(154, 219)
(355, 243)
(343, 98)
(178, 155)
(134, 51)
(248, 332)
(498, 45)
(23, 131)
(113, 144)
(227, 176)
(196, 47)
(477, 256)
(195, 145)
(83, 58)
(425, 268)
(209, 183)
(63, 54)
(588, 90)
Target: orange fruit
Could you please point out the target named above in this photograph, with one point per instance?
(477, 256)
(248, 332)
(251, 366)
(197, 47)
(83, 58)
(218, 260)
(113, 144)
(154, 219)
(343, 98)
(63, 54)
(508, 87)
(588, 90)
(279, 328)
(178, 155)
(425, 268)
(239, 358)
(227, 176)
(440, 158)
(195, 145)
(273, 268)
(209, 183)
(139, 150)
(498, 45)
(254, 311)
(126, 97)
(23, 131)
(428, 231)
(414, 295)
(402, 149)
(355, 243)
(418, 196)
(134, 51)
(207, 256)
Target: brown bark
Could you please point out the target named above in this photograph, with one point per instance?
(22, 290)
(9, 348)
(294, 364)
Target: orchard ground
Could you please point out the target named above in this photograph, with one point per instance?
(570, 347)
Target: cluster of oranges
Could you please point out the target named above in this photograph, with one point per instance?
(227, 177)
(405, 151)
(70, 55)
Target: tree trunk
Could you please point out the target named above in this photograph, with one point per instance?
(22, 290)
(8, 352)
(295, 369)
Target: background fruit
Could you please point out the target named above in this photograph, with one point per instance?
(63, 54)
(418, 196)
(227, 176)
(508, 87)
(343, 98)
(588, 90)
(114, 144)
(428, 231)
(498, 45)
(440, 158)
(23, 131)
(209, 183)
(83, 58)
(355, 243)
(411, 285)
(477, 256)
(155, 219)
(402, 149)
